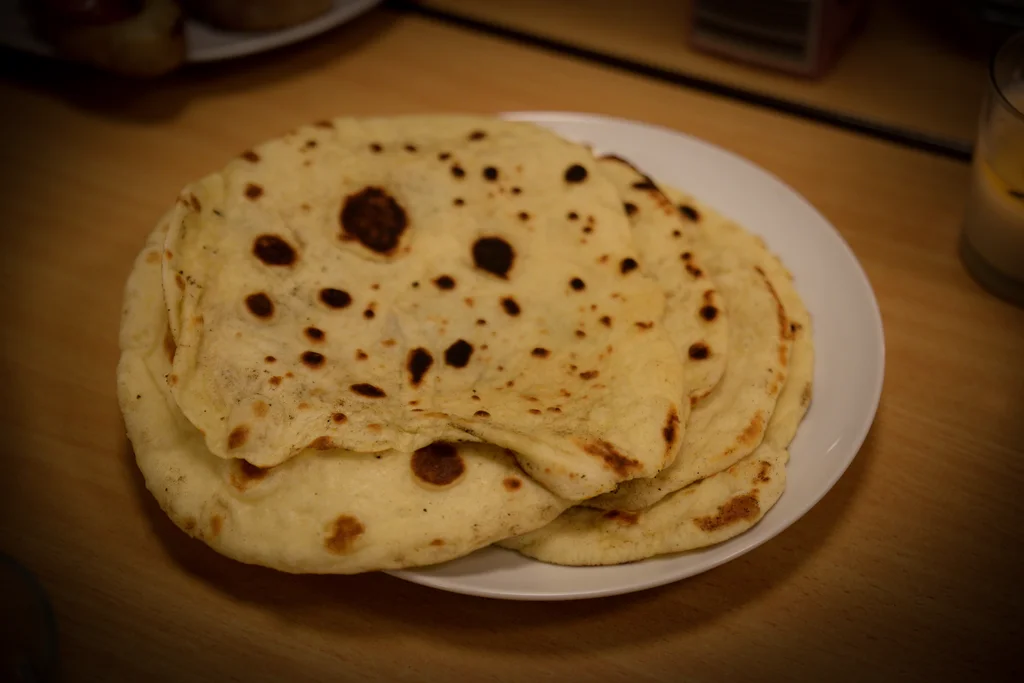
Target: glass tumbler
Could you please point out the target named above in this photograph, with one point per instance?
(992, 244)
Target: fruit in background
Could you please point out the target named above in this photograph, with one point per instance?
(129, 37)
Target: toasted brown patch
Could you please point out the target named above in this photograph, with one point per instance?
(437, 542)
(253, 191)
(708, 312)
(444, 282)
(613, 460)
(494, 255)
(540, 352)
(735, 510)
(260, 408)
(273, 250)
(438, 464)
(671, 429)
(699, 351)
(260, 305)
(368, 390)
(689, 212)
(312, 359)
(646, 184)
(627, 265)
(623, 517)
(322, 443)
(373, 218)
(458, 354)
(188, 524)
(169, 346)
(238, 436)
(589, 374)
(805, 395)
(335, 298)
(751, 434)
(244, 474)
(763, 472)
(275, 380)
(216, 524)
(512, 483)
(510, 306)
(645, 325)
(343, 533)
(481, 413)
(418, 362)
(785, 331)
(250, 156)
(575, 174)
(153, 257)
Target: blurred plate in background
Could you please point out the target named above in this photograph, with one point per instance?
(205, 43)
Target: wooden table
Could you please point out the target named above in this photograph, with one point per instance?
(910, 566)
(912, 68)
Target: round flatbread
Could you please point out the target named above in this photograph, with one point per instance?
(707, 512)
(795, 399)
(671, 248)
(724, 504)
(730, 422)
(427, 278)
(327, 511)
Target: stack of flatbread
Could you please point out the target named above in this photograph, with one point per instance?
(386, 343)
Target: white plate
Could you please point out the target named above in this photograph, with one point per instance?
(848, 371)
(205, 43)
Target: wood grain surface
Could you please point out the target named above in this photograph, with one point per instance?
(909, 568)
(907, 67)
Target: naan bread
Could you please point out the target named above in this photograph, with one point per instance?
(671, 249)
(795, 398)
(730, 422)
(722, 505)
(382, 284)
(322, 511)
(707, 512)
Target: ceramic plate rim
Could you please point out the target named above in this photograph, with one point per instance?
(857, 433)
